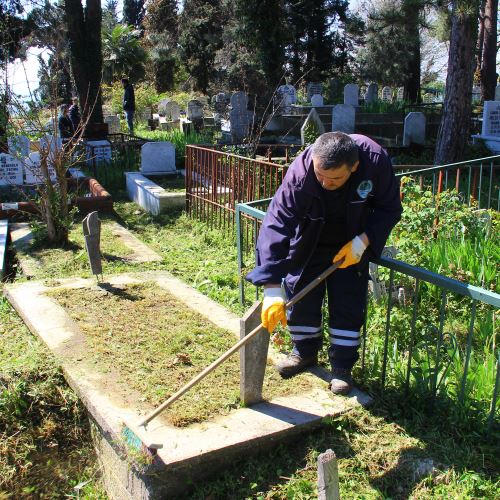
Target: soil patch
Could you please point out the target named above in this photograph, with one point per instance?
(157, 344)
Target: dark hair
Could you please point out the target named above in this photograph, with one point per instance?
(124, 80)
(334, 149)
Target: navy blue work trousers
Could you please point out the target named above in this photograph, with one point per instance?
(347, 289)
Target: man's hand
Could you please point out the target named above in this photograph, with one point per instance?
(273, 309)
(351, 252)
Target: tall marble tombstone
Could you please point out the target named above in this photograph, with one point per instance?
(371, 93)
(239, 116)
(351, 94)
(343, 118)
(414, 129)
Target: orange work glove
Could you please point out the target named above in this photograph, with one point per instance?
(273, 309)
(351, 252)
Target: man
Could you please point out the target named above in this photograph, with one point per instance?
(129, 104)
(64, 123)
(74, 114)
(338, 202)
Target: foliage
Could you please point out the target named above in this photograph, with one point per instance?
(133, 12)
(145, 97)
(123, 55)
(200, 33)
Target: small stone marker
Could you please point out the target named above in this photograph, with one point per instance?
(314, 119)
(33, 171)
(316, 100)
(328, 476)
(92, 233)
(414, 129)
(113, 124)
(253, 357)
(98, 152)
(371, 93)
(400, 94)
(343, 118)
(314, 88)
(158, 157)
(351, 94)
(11, 170)
(387, 94)
(19, 146)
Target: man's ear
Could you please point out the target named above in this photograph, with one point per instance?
(355, 167)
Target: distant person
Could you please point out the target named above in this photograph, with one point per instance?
(74, 113)
(64, 123)
(129, 104)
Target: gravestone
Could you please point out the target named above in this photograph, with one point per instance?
(387, 94)
(497, 93)
(158, 157)
(371, 93)
(313, 120)
(286, 95)
(253, 357)
(98, 152)
(221, 103)
(334, 89)
(328, 476)
(161, 107)
(414, 129)
(172, 111)
(49, 145)
(314, 88)
(11, 170)
(194, 110)
(343, 118)
(19, 146)
(92, 234)
(239, 116)
(491, 118)
(317, 100)
(428, 98)
(33, 171)
(476, 93)
(400, 93)
(113, 122)
(351, 94)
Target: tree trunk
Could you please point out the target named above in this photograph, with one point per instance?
(480, 37)
(84, 33)
(412, 80)
(488, 68)
(454, 129)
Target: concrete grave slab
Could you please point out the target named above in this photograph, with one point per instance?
(22, 238)
(149, 196)
(187, 454)
(158, 158)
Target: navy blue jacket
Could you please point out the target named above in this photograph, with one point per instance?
(296, 215)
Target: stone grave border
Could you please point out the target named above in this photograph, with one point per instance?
(189, 454)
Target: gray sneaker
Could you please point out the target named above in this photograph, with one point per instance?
(341, 382)
(294, 364)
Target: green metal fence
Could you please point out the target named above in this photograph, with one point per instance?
(437, 338)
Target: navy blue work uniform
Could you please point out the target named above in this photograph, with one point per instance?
(304, 228)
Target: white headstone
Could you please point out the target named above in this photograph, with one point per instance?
(98, 152)
(172, 111)
(314, 88)
(343, 118)
(428, 98)
(286, 95)
(313, 120)
(157, 157)
(414, 129)
(316, 100)
(371, 93)
(195, 110)
(400, 93)
(161, 106)
(387, 94)
(19, 146)
(113, 124)
(497, 93)
(11, 170)
(351, 94)
(33, 172)
(491, 118)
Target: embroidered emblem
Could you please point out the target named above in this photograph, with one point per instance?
(364, 188)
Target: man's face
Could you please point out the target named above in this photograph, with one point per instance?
(333, 178)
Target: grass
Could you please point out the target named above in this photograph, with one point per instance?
(45, 449)
(177, 345)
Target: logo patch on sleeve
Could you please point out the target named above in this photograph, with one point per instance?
(364, 188)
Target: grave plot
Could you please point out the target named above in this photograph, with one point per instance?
(129, 344)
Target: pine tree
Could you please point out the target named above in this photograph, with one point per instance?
(200, 36)
(161, 37)
(133, 12)
(489, 51)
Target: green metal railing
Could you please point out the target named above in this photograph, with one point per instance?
(476, 180)
(427, 291)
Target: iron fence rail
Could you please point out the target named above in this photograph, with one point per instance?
(477, 296)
